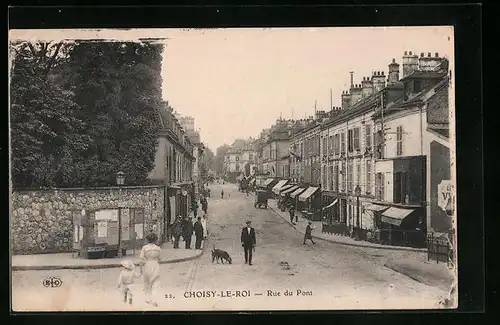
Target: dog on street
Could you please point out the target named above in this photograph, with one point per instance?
(221, 256)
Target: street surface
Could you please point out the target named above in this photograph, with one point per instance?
(323, 276)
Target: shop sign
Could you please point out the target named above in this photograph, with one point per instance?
(445, 195)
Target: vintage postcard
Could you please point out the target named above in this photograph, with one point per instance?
(239, 169)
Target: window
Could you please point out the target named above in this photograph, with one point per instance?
(325, 178)
(334, 172)
(350, 141)
(380, 145)
(358, 172)
(342, 142)
(349, 176)
(336, 144)
(331, 186)
(399, 141)
(342, 177)
(368, 177)
(400, 189)
(417, 86)
(368, 137)
(325, 146)
(379, 186)
(237, 158)
(330, 145)
(356, 139)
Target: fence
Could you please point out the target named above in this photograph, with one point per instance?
(439, 249)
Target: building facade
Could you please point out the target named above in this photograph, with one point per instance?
(173, 168)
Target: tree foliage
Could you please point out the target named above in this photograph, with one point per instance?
(220, 153)
(81, 112)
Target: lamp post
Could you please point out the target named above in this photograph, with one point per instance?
(357, 191)
(120, 178)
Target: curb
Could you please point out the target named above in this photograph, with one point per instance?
(96, 266)
(394, 248)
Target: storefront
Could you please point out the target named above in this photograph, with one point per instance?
(403, 227)
(310, 202)
(277, 188)
(108, 233)
(294, 196)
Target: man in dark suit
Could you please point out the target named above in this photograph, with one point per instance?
(198, 233)
(248, 242)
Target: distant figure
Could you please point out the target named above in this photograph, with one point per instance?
(150, 257)
(292, 213)
(188, 232)
(204, 225)
(248, 242)
(177, 231)
(222, 194)
(198, 233)
(126, 280)
(308, 234)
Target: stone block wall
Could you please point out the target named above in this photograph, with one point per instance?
(41, 221)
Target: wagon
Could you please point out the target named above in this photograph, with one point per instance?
(261, 197)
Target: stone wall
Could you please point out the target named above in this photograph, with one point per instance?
(41, 220)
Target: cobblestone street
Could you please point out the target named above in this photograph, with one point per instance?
(328, 275)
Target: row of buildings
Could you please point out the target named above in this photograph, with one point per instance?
(379, 165)
(178, 163)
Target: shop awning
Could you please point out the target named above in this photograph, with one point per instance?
(375, 207)
(297, 192)
(395, 216)
(268, 181)
(331, 204)
(307, 193)
(285, 187)
(289, 190)
(279, 185)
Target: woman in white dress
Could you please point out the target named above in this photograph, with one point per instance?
(150, 258)
(204, 224)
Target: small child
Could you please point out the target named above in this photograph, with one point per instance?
(126, 280)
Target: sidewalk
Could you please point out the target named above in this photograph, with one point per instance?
(428, 272)
(344, 240)
(60, 261)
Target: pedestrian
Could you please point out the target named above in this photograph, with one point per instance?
(126, 280)
(198, 233)
(292, 213)
(248, 241)
(177, 231)
(204, 225)
(222, 194)
(188, 232)
(308, 234)
(150, 257)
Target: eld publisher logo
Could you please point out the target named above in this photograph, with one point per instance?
(52, 282)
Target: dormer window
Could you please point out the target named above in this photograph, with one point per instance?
(417, 86)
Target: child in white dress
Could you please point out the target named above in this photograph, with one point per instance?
(126, 279)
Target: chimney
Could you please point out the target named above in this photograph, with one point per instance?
(429, 63)
(410, 63)
(366, 87)
(393, 72)
(352, 78)
(355, 94)
(346, 100)
(378, 80)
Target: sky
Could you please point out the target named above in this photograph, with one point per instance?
(236, 82)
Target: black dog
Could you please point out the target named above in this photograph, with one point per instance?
(220, 255)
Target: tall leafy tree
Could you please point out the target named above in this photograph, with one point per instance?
(43, 115)
(220, 153)
(119, 90)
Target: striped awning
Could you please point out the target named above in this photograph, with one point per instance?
(297, 192)
(307, 193)
(268, 181)
(279, 185)
(289, 190)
